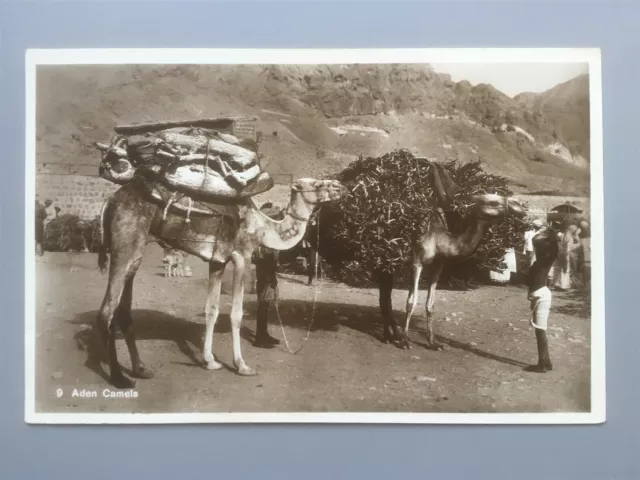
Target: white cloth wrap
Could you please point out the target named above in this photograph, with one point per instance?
(540, 306)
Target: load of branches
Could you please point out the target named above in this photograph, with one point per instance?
(69, 233)
(390, 204)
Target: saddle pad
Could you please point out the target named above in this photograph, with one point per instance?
(180, 203)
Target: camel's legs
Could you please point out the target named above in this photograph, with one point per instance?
(211, 311)
(412, 297)
(435, 270)
(129, 229)
(118, 276)
(392, 331)
(386, 308)
(239, 263)
(123, 314)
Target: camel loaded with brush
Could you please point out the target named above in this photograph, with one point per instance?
(437, 245)
(219, 223)
(428, 252)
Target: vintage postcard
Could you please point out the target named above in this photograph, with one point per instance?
(317, 236)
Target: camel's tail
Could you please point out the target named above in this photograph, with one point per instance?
(105, 234)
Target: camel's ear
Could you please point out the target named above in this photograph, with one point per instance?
(443, 185)
(296, 187)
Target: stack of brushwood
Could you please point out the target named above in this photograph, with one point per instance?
(390, 203)
(69, 233)
(185, 156)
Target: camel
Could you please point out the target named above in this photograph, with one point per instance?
(438, 245)
(434, 247)
(229, 233)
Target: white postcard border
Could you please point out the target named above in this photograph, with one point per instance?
(591, 56)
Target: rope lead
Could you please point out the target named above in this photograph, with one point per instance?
(315, 298)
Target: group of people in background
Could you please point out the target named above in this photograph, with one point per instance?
(573, 259)
(555, 255)
(44, 215)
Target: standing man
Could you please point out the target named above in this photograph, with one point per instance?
(266, 262)
(312, 252)
(41, 214)
(585, 239)
(545, 248)
(51, 212)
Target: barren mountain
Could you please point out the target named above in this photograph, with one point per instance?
(566, 106)
(318, 118)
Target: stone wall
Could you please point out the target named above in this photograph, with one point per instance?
(540, 205)
(80, 195)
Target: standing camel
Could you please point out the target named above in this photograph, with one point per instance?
(429, 251)
(132, 217)
(438, 245)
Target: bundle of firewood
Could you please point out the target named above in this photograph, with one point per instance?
(193, 159)
(390, 202)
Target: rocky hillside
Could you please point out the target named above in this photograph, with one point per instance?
(317, 119)
(566, 106)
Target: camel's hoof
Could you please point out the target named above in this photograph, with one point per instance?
(246, 371)
(122, 382)
(265, 341)
(402, 344)
(143, 372)
(213, 365)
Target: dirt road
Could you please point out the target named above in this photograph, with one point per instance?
(342, 368)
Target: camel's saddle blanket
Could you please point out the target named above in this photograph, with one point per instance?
(201, 162)
(184, 205)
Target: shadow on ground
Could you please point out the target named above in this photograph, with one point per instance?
(367, 320)
(147, 325)
(188, 335)
(576, 302)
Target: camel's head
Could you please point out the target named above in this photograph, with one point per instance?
(494, 207)
(315, 191)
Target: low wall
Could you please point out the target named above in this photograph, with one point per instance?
(540, 205)
(80, 195)
(83, 195)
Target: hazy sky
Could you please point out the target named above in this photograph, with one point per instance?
(513, 78)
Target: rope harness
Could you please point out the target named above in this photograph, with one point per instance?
(315, 293)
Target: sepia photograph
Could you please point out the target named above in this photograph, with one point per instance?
(314, 236)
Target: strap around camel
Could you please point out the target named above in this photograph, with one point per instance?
(177, 202)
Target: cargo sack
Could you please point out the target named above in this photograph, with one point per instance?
(142, 149)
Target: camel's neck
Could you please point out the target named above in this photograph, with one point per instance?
(468, 241)
(285, 234)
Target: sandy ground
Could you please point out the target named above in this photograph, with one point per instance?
(343, 367)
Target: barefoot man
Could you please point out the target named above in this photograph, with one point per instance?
(545, 249)
(266, 262)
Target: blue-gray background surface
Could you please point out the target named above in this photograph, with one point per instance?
(607, 451)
